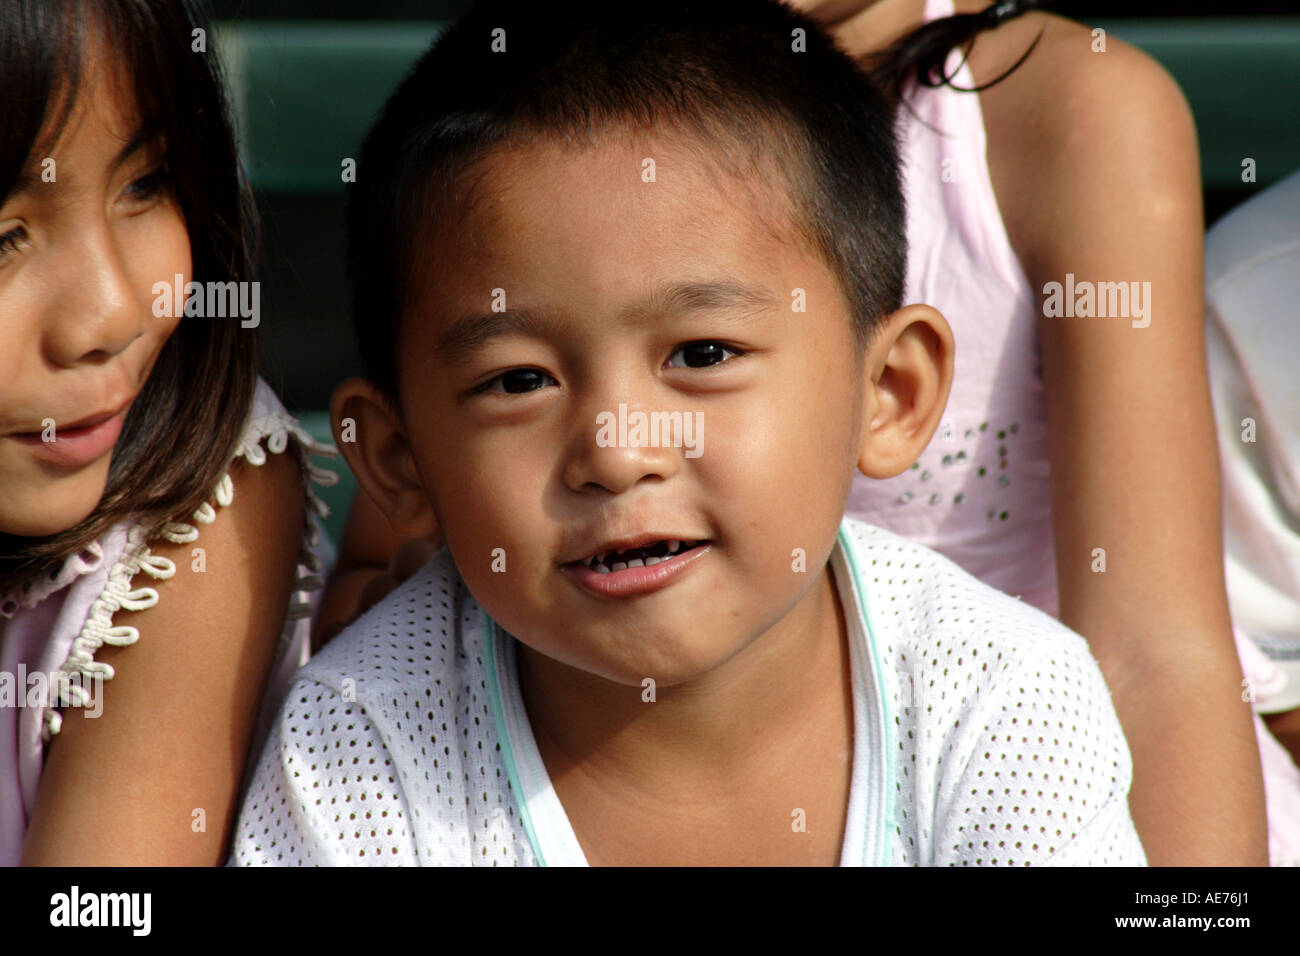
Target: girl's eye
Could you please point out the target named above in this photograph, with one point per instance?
(150, 186)
(517, 381)
(11, 242)
(702, 354)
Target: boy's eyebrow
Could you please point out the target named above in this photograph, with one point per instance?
(471, 332)
(144, 135)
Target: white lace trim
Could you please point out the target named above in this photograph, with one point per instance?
(275, 429)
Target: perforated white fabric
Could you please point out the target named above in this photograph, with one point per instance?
(996, 742)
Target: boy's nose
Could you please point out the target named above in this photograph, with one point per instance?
(95, 314)
(613, 459)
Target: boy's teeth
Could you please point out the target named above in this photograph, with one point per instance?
(600, 562)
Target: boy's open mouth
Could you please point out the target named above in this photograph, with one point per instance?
(607, 562)
(634, 571)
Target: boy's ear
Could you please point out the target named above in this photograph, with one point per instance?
(908, 369)
(371, 436)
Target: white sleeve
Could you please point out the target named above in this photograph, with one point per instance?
(1046, 771)
(325, 792)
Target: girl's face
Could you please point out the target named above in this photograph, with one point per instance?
(85, 233)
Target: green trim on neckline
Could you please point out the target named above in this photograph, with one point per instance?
(879, 674)
(503, 734)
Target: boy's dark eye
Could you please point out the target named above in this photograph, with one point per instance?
(703, 354)
(517, 381)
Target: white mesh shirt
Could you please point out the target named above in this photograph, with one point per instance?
(984, 734)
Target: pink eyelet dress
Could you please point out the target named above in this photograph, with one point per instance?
(50, 631)
(980, 493)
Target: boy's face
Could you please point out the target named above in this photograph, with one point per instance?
(505, 429)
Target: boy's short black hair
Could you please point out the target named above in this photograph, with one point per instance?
(758, 85)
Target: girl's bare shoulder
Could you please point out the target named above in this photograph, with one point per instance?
(1083, 107)
(1067, 54)
(1076, 73)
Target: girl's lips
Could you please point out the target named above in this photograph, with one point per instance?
(631, 582)
(76, 447)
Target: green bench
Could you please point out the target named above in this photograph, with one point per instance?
(1242, 78)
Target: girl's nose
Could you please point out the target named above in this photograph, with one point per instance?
(95, 313)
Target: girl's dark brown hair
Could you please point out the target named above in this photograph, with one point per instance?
(182, 430)
(919, 56)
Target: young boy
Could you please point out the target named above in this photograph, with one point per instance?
(627, 287)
